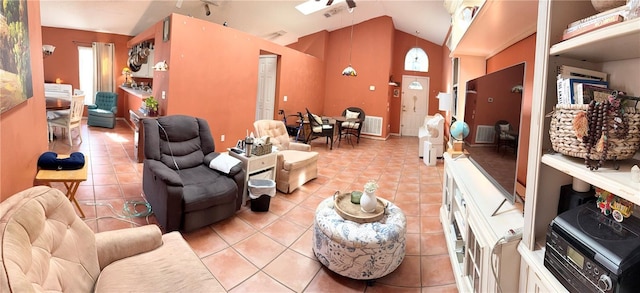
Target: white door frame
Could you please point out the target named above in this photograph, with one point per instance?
(266, 95)
(415, 102)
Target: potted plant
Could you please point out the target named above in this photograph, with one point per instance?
(152, 105)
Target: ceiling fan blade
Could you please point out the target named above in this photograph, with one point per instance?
(179, 4)
(329, 2)
(351, 4)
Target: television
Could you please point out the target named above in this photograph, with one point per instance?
(493, 105)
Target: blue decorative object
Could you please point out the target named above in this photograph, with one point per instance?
(459, 130)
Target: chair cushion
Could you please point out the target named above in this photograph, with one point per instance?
(199, 193)
(317, 118)
(504, 127)
(101, 113)
(350, 124)
(298, 159)
(351, 115)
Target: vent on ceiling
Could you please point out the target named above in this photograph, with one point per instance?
(333, 12)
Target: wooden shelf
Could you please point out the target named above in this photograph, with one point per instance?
(617, 182)
(535, 260)
(619, 41)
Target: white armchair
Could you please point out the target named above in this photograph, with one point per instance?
(432, 130)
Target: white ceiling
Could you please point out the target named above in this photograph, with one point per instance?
(262, 18)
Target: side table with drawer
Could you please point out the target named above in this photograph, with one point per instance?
(255, 166)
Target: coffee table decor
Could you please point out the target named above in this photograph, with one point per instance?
(352, 212)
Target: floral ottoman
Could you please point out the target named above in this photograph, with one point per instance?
(359, 251)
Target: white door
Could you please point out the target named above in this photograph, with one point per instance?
(265, 102)
(414, 107)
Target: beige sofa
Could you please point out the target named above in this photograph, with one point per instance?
(297, 164)
(45, 246)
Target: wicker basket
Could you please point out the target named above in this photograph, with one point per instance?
(261, 150)
(564, 140)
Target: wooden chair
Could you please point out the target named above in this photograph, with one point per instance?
(73, 120)
(319, 128)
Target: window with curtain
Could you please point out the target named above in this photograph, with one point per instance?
(86, 72)
(416, 60)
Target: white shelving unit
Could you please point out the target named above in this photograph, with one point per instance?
(615, 50)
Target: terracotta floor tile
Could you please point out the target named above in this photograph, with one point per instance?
(433, 244)
(430, 224)
(237, 271)
(304, 244)
(382, 288)
(327, 281)
(283, 231)
(412, 244)
(260, 282)
(105, 179)
(256, 219)
(280, 206)
(406, 274)
(293, 270)
(450, 288)
(205, 241)
(301, 216)
(436, 270)
(233, 230)
(259, 249)
(413, 224)
(430, 209)
(107, 191)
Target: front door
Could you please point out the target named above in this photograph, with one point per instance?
(265, 101)
(415, 104)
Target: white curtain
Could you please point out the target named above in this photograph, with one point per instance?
(103, 56)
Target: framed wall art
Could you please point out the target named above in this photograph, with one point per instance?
(15, 56)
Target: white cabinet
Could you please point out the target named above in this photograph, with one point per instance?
(256, 167)
(146, 69)
(613, 49)
(478, 255)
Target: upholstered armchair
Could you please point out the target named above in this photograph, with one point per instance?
(103, 112)
(184, 192)
(297, 164)
(46, 247)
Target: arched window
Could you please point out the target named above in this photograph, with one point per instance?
(416, 60)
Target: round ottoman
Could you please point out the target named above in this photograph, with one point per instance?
(359, 251)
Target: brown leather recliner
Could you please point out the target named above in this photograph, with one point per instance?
(297, 164)
(184, 193)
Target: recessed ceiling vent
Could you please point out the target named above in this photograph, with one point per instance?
(333, 12)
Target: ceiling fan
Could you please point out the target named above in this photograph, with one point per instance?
(350, 3)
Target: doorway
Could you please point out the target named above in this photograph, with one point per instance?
(265, 100)
(415, 105)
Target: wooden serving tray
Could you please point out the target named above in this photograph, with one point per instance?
(352, 212)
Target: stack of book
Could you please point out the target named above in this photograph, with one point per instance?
(581, 86)
(594, 22)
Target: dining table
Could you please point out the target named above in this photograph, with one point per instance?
(56, 104)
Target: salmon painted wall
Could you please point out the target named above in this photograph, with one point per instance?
(402, 43)
(522, 51)
(314, 44)
(63, 63)
(446, 85)
(371, 58)
(213, 74)
(23, 129)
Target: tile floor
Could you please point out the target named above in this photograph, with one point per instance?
(271, 252)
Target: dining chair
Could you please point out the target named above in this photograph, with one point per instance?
(503, 135)
(73, 120)
(319, 128)
(352, 127)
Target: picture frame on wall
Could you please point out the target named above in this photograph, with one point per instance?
(396, 93)
(165, 29)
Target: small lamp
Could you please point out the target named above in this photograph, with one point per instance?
(126, 72)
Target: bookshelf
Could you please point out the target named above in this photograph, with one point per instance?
(613, 49)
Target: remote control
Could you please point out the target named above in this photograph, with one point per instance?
(237, 151)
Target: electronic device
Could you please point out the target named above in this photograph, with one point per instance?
(570, 198)
(590, 252)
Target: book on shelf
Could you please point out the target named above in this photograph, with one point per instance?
(571, 90)
(596, 17)
(592, 92)
(604, 22)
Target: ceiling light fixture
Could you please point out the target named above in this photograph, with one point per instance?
(311, 6)
(349, 71)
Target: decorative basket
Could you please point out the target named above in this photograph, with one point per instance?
(261, 149)
(565, 141)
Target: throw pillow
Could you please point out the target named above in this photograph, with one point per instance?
(351, 115)
(223, 163)
(317, 118)
(504, 127)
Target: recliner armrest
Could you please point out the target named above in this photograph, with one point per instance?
(166, 174)
(92, 106)
(296, 146)
(234, 170)
(118, 244)
(114, 110)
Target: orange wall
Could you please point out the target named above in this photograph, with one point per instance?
(402, 43)
(313, 44)
(63, 63)
(213, 74)
(23, 129)
(522, 51)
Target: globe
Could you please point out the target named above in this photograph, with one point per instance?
(459, 130)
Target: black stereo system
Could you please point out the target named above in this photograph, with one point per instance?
(590, 252)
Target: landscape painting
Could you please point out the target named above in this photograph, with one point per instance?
(16, 84)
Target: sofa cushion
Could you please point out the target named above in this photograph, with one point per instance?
(173, 267)
(101, 113)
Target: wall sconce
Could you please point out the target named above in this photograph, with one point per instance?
(161, 66)
(516, 89)
(47, 50)
(444, 101)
